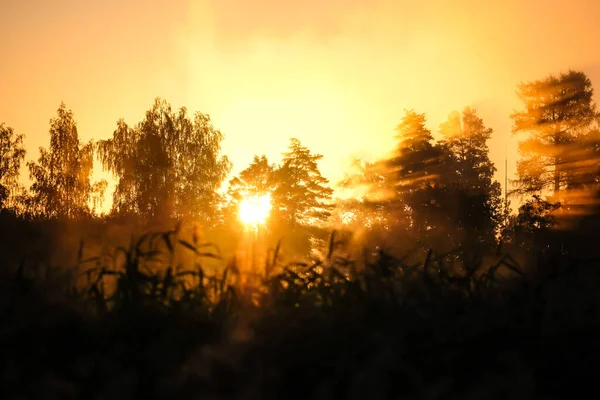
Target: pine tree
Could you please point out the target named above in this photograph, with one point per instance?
(472, 196)
(302, 195)
(557, 111)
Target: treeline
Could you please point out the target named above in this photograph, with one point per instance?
(168, 166)
(429, 194)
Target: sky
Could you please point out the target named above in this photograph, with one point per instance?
(336, 74)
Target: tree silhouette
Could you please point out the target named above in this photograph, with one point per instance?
(301, 196)
(531, 228)
(256, 180)
(403, 192)
(372, 211)
(374, 204)
(12, 154)
(61, 177)
(472, 196)
(536, 214)
(557, 110)
(167, 166)
(417, 168)
(583, 158)
(417, 158)
(440, 195)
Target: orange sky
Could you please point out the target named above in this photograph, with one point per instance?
(337, 74)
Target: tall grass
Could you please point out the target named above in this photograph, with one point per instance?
(168, 317)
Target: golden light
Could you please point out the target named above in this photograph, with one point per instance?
(255, 210)
(347, 217)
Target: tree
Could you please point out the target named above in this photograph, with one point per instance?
(417, 159)
(402, 191)
(61, 177)
(256, 180)
(367, 212)
(301, 195)
(12, 154)
(584, 157)
(417, 168)
(557, 110)
(536, 214)
(168, 166)
(472, 196)
(373, 203)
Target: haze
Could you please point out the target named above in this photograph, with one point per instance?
(337, 74)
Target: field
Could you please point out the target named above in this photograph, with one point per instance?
(167, 316)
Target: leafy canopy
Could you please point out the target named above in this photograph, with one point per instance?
(168, 166)
(62, 184)
(12, 154)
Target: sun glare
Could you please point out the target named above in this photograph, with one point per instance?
(255, 210)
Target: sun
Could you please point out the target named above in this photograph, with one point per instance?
(255, 210)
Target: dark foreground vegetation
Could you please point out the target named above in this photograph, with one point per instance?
(129, 323)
